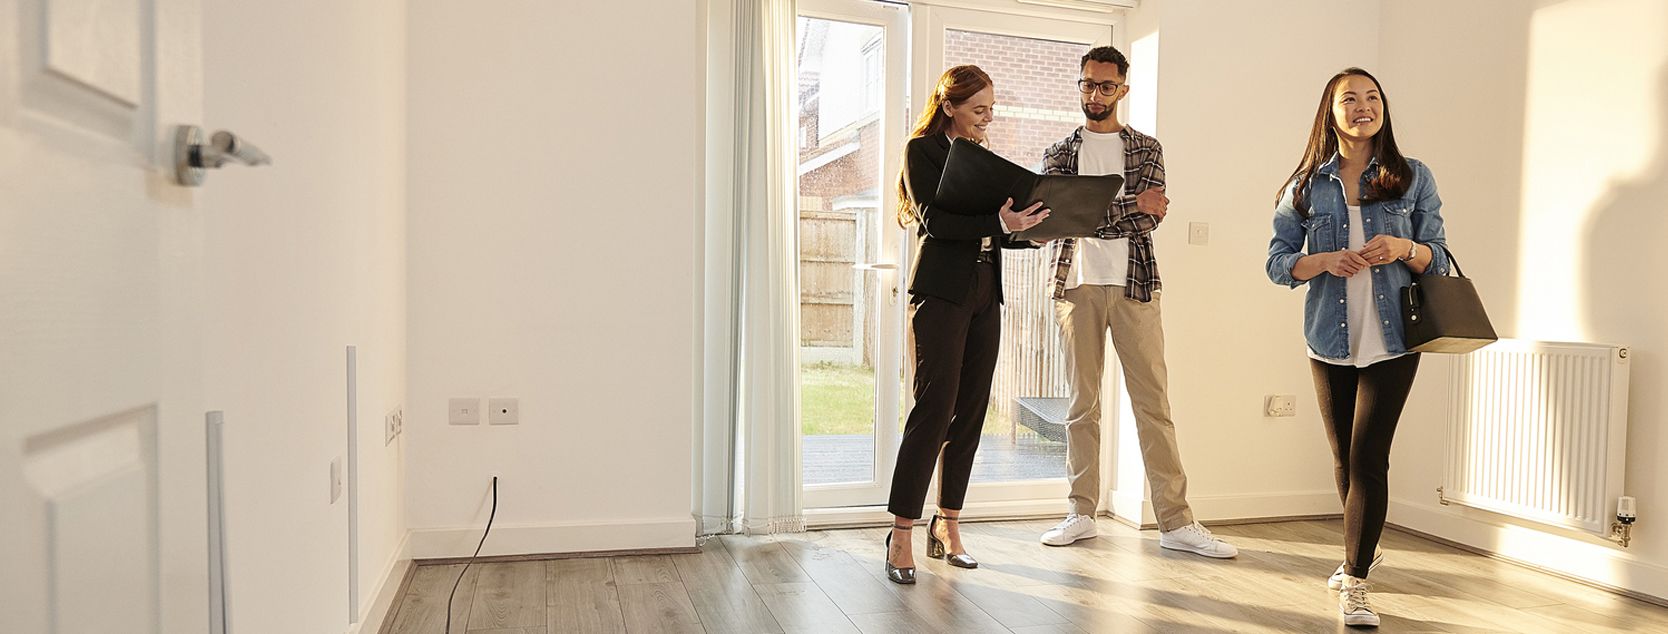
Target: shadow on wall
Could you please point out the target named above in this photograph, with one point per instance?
(1625, 294)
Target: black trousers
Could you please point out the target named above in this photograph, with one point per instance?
(1360, 407)
(955, 359)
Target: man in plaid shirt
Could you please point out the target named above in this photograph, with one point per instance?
(1110, 283)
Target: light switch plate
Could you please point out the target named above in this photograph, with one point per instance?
(464, 411)
(503, 411)
(1198, 233)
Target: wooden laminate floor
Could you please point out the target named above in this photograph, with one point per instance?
(831, 581)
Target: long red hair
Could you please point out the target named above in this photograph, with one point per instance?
(955, 86)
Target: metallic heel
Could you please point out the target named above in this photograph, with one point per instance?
(937, 549)
(894, 574)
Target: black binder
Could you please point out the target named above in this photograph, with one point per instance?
(976, 181)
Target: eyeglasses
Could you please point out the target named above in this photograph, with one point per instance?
(1106, 87)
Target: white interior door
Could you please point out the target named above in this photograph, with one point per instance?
(1032, 55)
(101, 429)
(852, 78)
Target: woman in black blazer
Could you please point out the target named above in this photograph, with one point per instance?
(956, 316)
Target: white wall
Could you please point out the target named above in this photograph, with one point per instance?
(305, 257)
(545, 265)
(554, 164)
(1234, 105)
(1546, 124)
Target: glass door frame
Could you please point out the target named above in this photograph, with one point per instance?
(890, 267)
(930, 23)
(915, 43)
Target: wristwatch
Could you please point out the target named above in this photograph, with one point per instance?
(1412, 251)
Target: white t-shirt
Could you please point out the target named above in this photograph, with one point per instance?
(1104, 262)
(1366, 330)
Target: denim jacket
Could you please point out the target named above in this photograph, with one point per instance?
(1416, 216)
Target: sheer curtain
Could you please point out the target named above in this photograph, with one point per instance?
(747, 476)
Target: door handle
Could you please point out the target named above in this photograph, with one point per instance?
(891, 298)
(193, 158)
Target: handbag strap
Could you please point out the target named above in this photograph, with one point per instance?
(1452, 259)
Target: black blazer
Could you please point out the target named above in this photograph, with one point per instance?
(947, 242)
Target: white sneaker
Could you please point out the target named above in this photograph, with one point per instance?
(1073, 528)
(1352, 604)
(1197, 539)
(1336, 582)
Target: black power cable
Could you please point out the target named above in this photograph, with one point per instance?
(471, 561)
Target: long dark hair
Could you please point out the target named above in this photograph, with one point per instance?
(1394, 175)
(955, 86)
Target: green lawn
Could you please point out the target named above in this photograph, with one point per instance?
(836, 399)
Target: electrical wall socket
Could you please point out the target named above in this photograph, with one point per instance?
(503, 411)
(1280, 405)
(464, 411)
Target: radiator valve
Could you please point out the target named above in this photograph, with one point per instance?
(1622, 531)
(1625, 512)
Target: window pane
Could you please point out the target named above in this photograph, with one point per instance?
(840, 68)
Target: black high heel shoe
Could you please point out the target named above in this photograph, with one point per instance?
(937, 550)
(894, 574)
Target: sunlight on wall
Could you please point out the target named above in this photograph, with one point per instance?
(1570, 556)
(1130, 479)
(1593, 107)
(1143, 95)
(1592, 101)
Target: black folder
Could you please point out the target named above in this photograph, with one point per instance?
(977, 181)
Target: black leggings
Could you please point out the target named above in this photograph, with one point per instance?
(1360, 407)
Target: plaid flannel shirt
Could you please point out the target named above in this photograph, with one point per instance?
(1143, 169)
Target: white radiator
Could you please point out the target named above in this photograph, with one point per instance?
(1538, 431)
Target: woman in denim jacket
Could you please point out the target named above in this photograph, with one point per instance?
(1355, 222)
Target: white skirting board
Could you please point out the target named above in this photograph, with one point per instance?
(535, 539)
(1207, 509)
(1573, 554)
(832, 518)
(1134, 508)
(387, 591)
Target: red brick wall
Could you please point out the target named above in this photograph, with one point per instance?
(1036, 106)
(1029, 74)
(848, 175)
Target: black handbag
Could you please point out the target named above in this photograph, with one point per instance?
(1442, 313)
